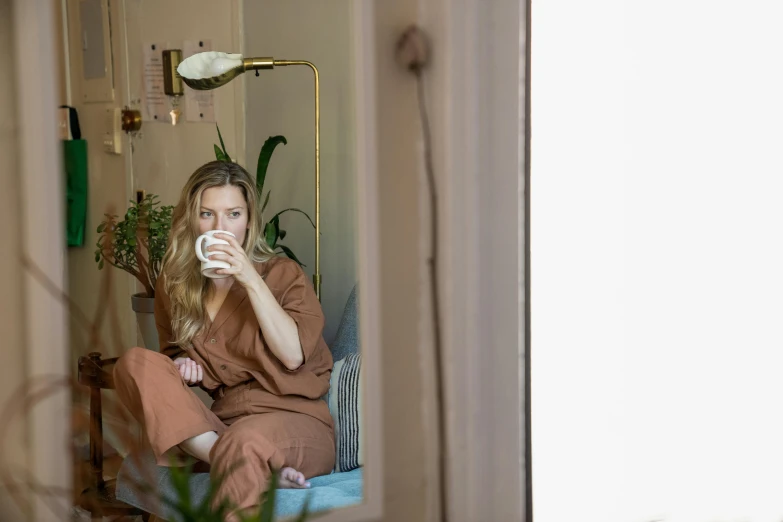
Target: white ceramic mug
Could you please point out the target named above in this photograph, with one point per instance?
(203, 242)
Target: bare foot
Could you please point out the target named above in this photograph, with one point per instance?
(292, 479)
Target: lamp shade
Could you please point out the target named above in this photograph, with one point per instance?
(211, 69)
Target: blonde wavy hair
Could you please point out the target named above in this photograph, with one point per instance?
(183, 282)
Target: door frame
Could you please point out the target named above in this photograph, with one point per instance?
(48, 422)
(478, 91)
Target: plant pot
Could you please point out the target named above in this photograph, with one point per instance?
(145, 316)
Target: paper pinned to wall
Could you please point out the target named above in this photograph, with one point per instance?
(199, 105)
(155, 105)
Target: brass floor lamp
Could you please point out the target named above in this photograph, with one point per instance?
(210, 70)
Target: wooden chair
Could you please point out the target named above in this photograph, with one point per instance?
(99, 496)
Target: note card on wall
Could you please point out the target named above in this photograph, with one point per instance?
(155, 105)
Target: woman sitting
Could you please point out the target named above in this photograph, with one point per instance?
(252, 339)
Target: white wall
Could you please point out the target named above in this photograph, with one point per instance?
(657, 261)
(281, 102)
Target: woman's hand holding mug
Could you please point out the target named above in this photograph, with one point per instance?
(210, 267)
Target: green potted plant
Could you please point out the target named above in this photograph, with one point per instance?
(137, 245)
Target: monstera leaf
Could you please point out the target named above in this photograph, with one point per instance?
(264, 157)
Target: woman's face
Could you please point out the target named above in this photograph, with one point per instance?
(223, 208)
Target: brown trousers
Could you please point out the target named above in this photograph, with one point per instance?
(252, 443)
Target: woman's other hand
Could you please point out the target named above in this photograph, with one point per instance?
(191, 372)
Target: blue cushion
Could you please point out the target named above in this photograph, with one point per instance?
(327, 492)
(345, 406)
(346, 341)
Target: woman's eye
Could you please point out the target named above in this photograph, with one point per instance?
(235, 214)
(206, 214)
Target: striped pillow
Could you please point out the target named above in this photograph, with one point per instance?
(345, 405)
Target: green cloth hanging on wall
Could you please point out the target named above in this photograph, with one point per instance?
(75, 159)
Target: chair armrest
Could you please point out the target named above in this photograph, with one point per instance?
(95, 372)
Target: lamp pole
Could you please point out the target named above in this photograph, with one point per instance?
(317, 273)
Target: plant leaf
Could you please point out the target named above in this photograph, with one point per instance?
(179, 480)
(144, 231)
(222, 145)
(219, 155)
(290, 254)
(266, 201)
(264, 157)
(282, 234)
(294, 210)
(268, 509)
(271, 233)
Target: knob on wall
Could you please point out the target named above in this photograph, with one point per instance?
(131, 120)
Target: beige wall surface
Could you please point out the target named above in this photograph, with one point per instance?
(165, 156)
(281, 102)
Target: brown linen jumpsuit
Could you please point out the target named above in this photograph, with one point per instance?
(266, 416)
